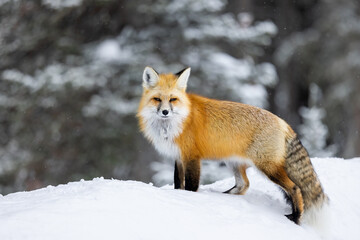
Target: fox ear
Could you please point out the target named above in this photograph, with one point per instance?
(183, 77)
(150, 77)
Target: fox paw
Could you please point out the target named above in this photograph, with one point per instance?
(237, 190)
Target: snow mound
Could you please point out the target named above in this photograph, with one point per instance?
(114, 209)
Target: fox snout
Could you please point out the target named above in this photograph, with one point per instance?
(164, 111)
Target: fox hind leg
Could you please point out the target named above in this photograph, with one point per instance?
(241, 180)
(292, 191)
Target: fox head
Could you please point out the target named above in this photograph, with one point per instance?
(164, 95)
(164, 106)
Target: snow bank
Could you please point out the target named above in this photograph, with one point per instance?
(113, 209)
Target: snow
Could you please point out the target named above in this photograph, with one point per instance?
(99, 103)
(109, 50)
(114, 209)
(261, 32)
(197, 6)
(59, 4)
(57, 76)
(313, 132)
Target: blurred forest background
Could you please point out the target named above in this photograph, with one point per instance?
(70, 78)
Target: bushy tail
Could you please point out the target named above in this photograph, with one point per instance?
(300, 170)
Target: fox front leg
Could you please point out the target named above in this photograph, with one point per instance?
(179, 175)
(192, 174)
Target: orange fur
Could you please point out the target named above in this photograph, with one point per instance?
(189, 128)
(221, 129)
(217, 129)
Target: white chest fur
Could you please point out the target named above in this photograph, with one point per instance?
(167, 147)
(162, 133)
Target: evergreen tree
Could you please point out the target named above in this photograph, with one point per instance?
(70, 79)
(313, 131)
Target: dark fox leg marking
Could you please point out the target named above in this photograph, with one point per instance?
(178, 175)
(286, 196)
(192, 175)
(228, 191)
(281, 178)
(295, 205)
(288, 201)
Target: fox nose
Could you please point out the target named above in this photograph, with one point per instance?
(165, 112)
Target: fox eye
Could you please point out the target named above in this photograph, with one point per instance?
(173, 99)
(157, 99)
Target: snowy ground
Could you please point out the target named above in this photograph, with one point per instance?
(113, 209)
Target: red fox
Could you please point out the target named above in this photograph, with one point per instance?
(189, 128)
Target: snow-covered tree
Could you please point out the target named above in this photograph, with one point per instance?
(313, 131)
(220, 48)
(70, 75)
(325, 52)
